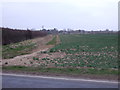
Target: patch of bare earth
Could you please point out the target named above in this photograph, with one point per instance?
(27, 60)
(36, 58)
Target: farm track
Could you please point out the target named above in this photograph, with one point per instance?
(74, 55)
(24, 60)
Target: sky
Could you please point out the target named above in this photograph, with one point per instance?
(60, 14)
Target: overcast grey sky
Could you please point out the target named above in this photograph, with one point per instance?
(61, 14)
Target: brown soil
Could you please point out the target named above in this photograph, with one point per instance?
(25, 60)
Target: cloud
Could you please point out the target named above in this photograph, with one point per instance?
(92, 2)
(61, 13)
(47, 1)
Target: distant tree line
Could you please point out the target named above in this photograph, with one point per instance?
(15, 35)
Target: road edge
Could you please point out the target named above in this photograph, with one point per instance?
(60, 78)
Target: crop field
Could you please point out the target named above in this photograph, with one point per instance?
(74, 54)
(86, 51)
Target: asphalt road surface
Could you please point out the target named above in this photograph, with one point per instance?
(11, 81)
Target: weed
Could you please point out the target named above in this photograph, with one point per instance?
(34, 58)
(52, 42)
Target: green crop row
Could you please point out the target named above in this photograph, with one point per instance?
(97, 51)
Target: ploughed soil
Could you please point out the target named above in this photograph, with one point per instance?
(32, 60)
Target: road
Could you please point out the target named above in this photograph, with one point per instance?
(16, 81)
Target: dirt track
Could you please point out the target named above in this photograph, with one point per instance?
(25, 60)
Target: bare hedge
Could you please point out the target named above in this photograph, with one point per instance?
(14, 35)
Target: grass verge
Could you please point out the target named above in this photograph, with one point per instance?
(67, 71)
(52, 42)
(12, 50)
